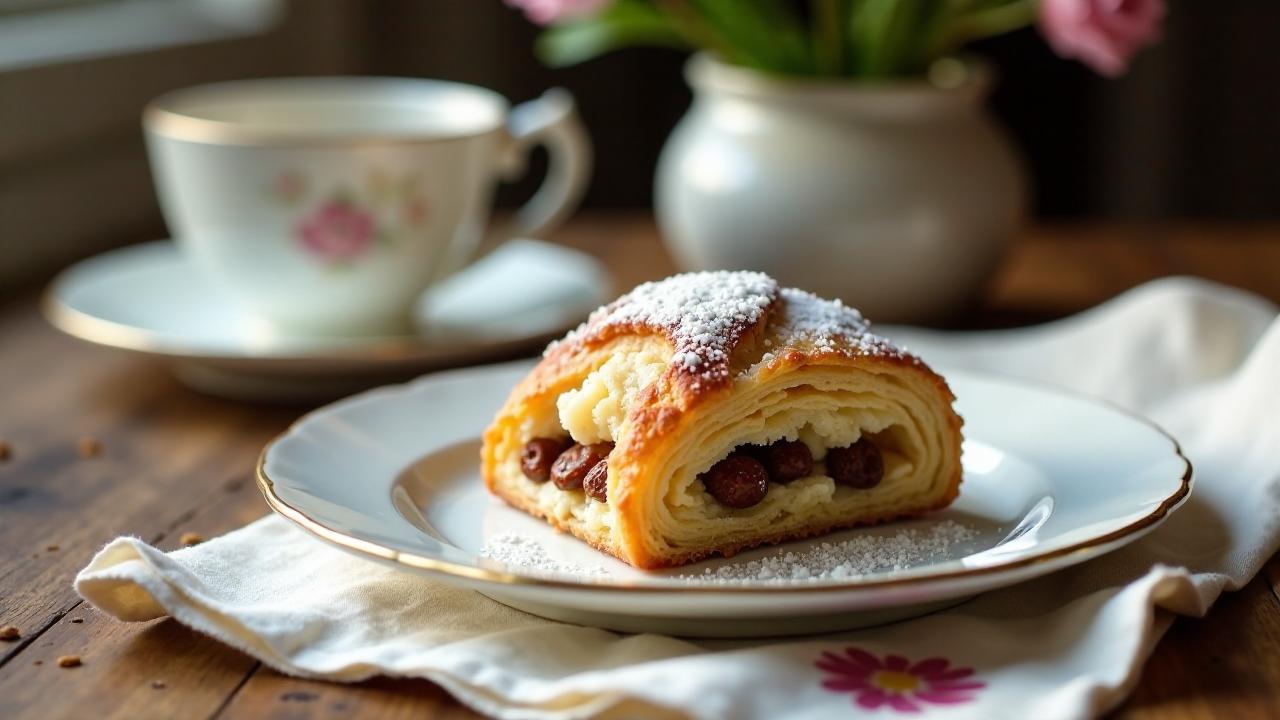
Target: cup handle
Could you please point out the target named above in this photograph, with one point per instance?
(551, 120)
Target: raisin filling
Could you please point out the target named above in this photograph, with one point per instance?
(787, 460)
(742, 479)
(539, 454)
(596, 483)
(571, 468)
(570, 465)
(859, 466)
(738, 481)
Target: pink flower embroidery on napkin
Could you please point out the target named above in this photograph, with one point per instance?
(337, 232)
(895, 681)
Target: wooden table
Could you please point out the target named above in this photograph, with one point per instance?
(176, 462)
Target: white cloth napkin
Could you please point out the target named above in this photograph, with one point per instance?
(1201, 359)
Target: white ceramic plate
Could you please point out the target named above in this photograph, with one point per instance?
(1051, 480)
(150, 299)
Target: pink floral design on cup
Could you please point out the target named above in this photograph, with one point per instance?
(337, 232)
(896, 682)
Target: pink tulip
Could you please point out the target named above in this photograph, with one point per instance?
(1103, 34)
(546, 12)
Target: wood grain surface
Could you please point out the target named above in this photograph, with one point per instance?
(174, 461)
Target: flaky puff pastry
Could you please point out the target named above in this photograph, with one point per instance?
(679, 373)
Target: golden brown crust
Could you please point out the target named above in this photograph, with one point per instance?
(683, 383)
(770, 343)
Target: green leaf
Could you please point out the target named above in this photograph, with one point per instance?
(623, 24)
(857, 38)
(890, 37)
(984, 19)
(764, 34)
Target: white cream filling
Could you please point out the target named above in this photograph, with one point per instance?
(596, 410)
(566, 504)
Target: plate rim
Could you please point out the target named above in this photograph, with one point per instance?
(113, 334)
(376, 551)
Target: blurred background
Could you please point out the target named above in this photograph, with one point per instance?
(1189, 133)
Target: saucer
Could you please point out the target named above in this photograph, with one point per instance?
(152, 300)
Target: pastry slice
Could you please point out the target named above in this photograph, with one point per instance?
(711, 412)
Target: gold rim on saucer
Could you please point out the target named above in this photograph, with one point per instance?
(406, 349)
(124, 337)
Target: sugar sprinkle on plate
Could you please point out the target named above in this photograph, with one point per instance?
(830, 561)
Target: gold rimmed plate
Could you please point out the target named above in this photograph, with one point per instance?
(1052, 479)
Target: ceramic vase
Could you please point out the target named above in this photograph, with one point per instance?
(899, 197)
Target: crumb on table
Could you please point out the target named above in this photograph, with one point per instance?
(89, 447)
(10, 633)
(187, 539)
(68, 661)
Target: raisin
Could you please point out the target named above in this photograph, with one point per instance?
(571, 468)
(738, 481)
(859, 466)
(787, 460)
(596, 484)
(539, 454)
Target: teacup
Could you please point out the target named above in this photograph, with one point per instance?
(328, 205)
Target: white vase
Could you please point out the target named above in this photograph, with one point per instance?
(898, 197)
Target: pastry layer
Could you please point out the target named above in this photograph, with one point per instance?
(783, 380)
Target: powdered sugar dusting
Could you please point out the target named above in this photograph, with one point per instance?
(844, 559)
(703, 314)
(829, 324)
(815, 563)
(706, 314)
(522, 552)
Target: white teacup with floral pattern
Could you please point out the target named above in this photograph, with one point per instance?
(328, 205)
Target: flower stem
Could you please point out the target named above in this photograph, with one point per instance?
(985, 23)
(829, 36)
(686, 21)
(886, 35)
